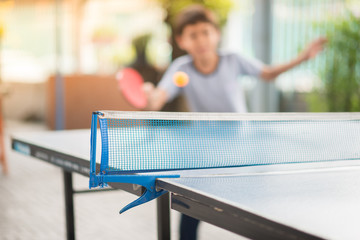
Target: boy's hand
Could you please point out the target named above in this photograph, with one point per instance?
(148, 89)
(156, 98)
(313, 49)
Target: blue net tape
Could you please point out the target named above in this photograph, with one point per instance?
(135, 143)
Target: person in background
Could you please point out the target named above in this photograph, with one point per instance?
(213, 75)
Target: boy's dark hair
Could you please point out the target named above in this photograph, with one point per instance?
(192, 15)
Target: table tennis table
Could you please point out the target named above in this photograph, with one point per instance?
(312, 200)
(70, 151)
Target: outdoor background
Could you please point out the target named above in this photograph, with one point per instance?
(87, 41)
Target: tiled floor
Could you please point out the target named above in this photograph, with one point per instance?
(32, 206)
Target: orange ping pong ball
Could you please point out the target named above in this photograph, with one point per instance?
(180, 79)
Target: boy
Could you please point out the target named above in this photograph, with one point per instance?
(213, 74)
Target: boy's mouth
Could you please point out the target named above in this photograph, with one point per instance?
(202, 50)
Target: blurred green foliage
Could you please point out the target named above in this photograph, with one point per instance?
(340, 90)
(220, 7)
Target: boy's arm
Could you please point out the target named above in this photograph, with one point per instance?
(156, 97)
(271, 72)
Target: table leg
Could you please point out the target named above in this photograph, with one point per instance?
(69, 205)
(163, 217)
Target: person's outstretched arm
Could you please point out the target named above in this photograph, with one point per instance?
(271, 72)
(156, 97)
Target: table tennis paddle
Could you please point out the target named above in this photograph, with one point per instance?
(130, 83)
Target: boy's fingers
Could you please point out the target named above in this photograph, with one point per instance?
(148, 87)
(315, 51)
(317, 46)
(321, 41)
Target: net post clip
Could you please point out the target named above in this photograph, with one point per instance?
(147, 181)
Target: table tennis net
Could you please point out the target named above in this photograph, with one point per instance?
(150, 141)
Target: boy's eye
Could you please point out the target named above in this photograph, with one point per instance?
(193, 36)
(206, 32)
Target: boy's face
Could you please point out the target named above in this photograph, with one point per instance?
(199, 40)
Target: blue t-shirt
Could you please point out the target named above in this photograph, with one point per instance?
(215, 92)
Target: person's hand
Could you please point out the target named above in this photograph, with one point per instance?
(313, 49)
(148, 89)
(156, 97)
